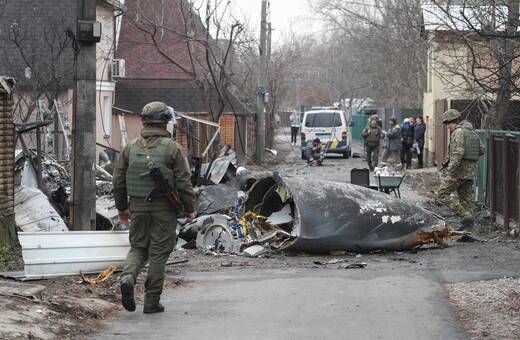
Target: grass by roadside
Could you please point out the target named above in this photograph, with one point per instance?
(11, 258)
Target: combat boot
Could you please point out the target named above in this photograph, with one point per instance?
(127, 295)
(156, 308)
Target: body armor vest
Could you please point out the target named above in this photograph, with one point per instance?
(471, 145)
(374, 136)
(138, 164)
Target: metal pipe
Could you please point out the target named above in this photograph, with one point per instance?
(39, 158)
(507, 180)
(492, 177)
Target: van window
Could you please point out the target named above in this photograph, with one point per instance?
(323, 119)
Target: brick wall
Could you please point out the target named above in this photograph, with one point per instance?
(141, 56)
(7, 221)
(228, 134)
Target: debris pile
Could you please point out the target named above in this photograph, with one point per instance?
(316, 216)
(45, 206)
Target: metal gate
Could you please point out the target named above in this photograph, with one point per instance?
(441, 140)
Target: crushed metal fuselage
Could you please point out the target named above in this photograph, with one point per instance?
(319, 216)
(340, 216)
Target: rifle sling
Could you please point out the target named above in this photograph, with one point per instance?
(148, 157)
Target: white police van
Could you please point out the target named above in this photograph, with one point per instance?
(331, 126)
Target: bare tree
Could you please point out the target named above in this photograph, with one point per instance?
(203, 32)
(37, 52)
(378, 49)
(480, 43)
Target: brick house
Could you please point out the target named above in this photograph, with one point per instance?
(149, 76)
(7, 220)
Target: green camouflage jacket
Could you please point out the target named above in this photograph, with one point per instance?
(460, 168)
(174, 159)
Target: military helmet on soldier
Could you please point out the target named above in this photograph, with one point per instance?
(156, 112)
(450, 116)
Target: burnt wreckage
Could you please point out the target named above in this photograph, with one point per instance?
(236, 211)
(293, 213)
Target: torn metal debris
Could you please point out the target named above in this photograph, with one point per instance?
(45, 207)
(302, 214)
(34, 212)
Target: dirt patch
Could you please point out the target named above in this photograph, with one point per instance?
(488, 309)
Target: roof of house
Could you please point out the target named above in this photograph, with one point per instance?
(181, 94)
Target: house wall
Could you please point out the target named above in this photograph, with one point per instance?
(443, 59)
(105, 86)
(7, 218)
(165, 81)
(136, 47)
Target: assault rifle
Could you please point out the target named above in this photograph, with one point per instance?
(161, 186)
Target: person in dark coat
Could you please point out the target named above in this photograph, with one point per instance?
(407, 132)
(392, 143)
(419, 131)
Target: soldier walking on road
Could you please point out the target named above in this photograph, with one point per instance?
(373, 134)
(464, 151)
(153, 225)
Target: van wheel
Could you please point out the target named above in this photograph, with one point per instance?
(346, 154)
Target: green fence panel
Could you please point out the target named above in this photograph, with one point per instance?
(480, 184)
(360, 121)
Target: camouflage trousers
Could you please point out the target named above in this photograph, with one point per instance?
(464, 188)
(152, 238)
(372, 154)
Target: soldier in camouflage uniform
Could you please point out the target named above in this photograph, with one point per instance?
(152, 231)
(373, 134)
(464, 151)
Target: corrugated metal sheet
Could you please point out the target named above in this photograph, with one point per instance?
(53, 254)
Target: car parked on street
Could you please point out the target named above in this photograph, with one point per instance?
(332, 126)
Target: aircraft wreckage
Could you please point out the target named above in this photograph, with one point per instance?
(312, 215)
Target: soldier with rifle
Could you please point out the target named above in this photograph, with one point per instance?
(150, 173)
(464, 151)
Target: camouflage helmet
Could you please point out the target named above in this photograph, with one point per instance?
(450, 116)
(156, 112)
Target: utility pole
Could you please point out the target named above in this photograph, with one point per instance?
(83, 190)
(260, 90)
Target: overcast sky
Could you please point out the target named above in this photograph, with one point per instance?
(286, 16)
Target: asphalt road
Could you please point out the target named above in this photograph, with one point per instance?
(297, 304)
(397, 295)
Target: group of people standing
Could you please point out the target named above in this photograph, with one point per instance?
(399, 141)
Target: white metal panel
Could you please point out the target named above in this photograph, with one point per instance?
(34, 212)
(53, 254)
